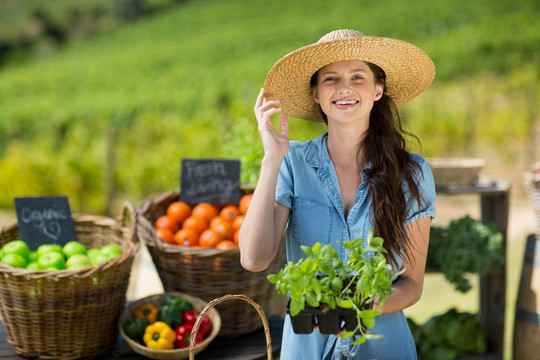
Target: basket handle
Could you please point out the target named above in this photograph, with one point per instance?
(225, 298)
(146, 227)
(127, 206)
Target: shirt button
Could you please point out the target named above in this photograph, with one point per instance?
(361, 192)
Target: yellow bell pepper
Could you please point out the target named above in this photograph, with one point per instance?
(159, 336)
(146, 311)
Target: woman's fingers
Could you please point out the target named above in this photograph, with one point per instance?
(260, 100)
(284, 124)
(265, 108)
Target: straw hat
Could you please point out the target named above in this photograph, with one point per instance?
(409, 71)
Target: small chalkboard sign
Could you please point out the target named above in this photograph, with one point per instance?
(210, 180)
(44, 220)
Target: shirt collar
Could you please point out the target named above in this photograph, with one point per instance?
(317, 154)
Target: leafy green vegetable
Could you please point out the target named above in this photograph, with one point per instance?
(354, 283)
(447, 336)
(466, 245)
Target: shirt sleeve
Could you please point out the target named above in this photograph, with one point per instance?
(426, 186)
(284, 186)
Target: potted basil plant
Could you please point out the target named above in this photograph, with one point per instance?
(337, 293)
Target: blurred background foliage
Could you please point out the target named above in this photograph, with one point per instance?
(100, 99)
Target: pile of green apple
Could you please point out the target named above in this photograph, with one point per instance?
(72, 256)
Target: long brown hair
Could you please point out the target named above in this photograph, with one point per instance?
(391, 165)
(384, 146)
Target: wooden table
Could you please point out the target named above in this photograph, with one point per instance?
(251, 346)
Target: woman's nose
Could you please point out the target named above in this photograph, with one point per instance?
(344, 88)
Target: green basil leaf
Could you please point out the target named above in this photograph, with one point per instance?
(307, 250)
(344, 303)
(297, 305)
(311, 299)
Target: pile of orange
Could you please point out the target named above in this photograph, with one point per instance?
(203, 225)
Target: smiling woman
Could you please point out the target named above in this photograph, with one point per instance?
(355, 179)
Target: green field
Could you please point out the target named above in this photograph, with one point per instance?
(111, 115)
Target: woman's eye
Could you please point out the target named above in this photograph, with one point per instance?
(357, 77)
(330, 79)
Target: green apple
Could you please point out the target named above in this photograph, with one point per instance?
(15, 260)
(93, 252)
(111, 250)
(45, 248)
(77, 261)
(73, 247)
(18, 247)
(98, 259)
(51, 260)
(33, 256)
(33, 265)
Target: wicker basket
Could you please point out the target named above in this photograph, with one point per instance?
(69, 314)
(448, 172)
(208, 273)
(174, 354)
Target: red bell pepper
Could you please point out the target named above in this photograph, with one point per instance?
(190, 317)
(183, 336)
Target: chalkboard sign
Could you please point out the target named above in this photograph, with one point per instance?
(212, 181)
(44, 220)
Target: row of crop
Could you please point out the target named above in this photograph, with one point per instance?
(112, 116)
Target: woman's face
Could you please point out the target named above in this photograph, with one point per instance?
(346, 91)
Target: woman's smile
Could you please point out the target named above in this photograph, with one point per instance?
(345, 104)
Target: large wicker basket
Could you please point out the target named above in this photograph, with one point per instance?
(208, 273)
(452, 172)
(69, 314)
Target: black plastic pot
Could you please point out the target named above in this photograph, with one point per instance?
(330, 321)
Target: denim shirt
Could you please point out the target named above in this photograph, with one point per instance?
(308, 185)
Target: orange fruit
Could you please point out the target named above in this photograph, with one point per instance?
(167, 222)
(186, 237)
(225, 228)
(235, 236)
(205, 210)
(179, 211)
(225, 244)
(196, 223)
(217, 220)
(165, 235)
(229, 212)
(243, 205)
(237, 222)
(210, 238)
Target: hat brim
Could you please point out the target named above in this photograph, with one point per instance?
(409, 71)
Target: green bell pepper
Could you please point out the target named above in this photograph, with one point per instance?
(170, 315)
(182, 304)
(134, 328)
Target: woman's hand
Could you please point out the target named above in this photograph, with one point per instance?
(276, 144)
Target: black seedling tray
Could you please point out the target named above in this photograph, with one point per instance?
(330, 321)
